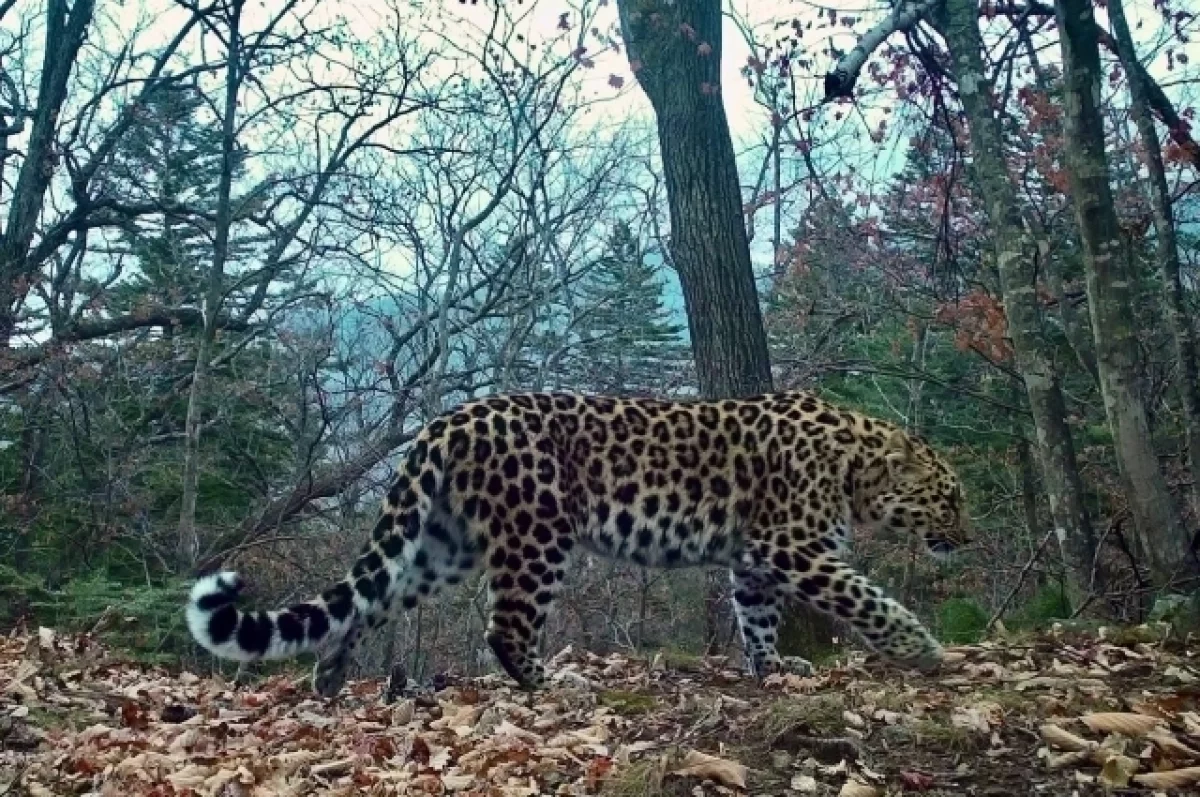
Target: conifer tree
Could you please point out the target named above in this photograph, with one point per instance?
(630, 344)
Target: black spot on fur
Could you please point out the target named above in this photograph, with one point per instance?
(290, 628)
(318, 620)
(383, 527)
(339, 600)
(393, 546)
(366, 588)
(650, 506)
(214, 600)
(254, 632)
(399, 487)
(222, 624)
(368, 564)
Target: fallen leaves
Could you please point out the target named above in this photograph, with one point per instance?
(704, 766)
(1171, 779)
(1133, 741)
(1120, 722)
(1063, 712)
(854, 788)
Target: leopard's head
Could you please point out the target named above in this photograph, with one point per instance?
(922, 495)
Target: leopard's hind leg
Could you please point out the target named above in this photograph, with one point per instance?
(526, 568)
(417, 559)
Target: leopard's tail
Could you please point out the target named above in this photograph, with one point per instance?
(231, 633)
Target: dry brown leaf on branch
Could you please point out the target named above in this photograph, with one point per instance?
(458, 782)
(701, 765)
(1124, 723)
(981, 717)
(339, 767)
(916, 781)
(1171, 779)
(1165, 708)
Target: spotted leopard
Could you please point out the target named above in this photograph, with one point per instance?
(769, 487)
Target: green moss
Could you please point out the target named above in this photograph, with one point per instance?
(679, 660)
(627, 703)
(1049, 604)
(962, 620)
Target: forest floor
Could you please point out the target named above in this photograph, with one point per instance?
(1062, 713)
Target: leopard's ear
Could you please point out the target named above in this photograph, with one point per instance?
(899, 454)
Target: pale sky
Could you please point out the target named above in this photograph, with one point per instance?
(748, 122)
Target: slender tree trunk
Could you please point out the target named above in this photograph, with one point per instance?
(188, 539)
(65, 32)
(1165, 542)
(1029, 487)
(1076, 329)
(1015, 260)
(674, 48)
(1167, 250)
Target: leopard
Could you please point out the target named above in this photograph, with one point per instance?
(770, 487)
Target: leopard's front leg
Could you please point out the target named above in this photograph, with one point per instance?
(833, 587)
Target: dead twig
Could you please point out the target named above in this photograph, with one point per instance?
(1012, 593)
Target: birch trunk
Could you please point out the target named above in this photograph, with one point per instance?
(1165, 543)
(1167, 249)
(1016, 260)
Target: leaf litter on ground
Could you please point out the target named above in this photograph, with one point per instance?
(1060, 713)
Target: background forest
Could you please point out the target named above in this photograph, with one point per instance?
(248, 249)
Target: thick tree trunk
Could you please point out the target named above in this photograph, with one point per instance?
(1165, 542)
(65, 32)
(674, 48)
(1015, 259)
(1167, 252)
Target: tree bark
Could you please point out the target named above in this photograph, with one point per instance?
(1167, 249)
(674, 48)
(840, 82)
(188, 539)
(1164, 540)
(1016, 262)
(65, 32)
